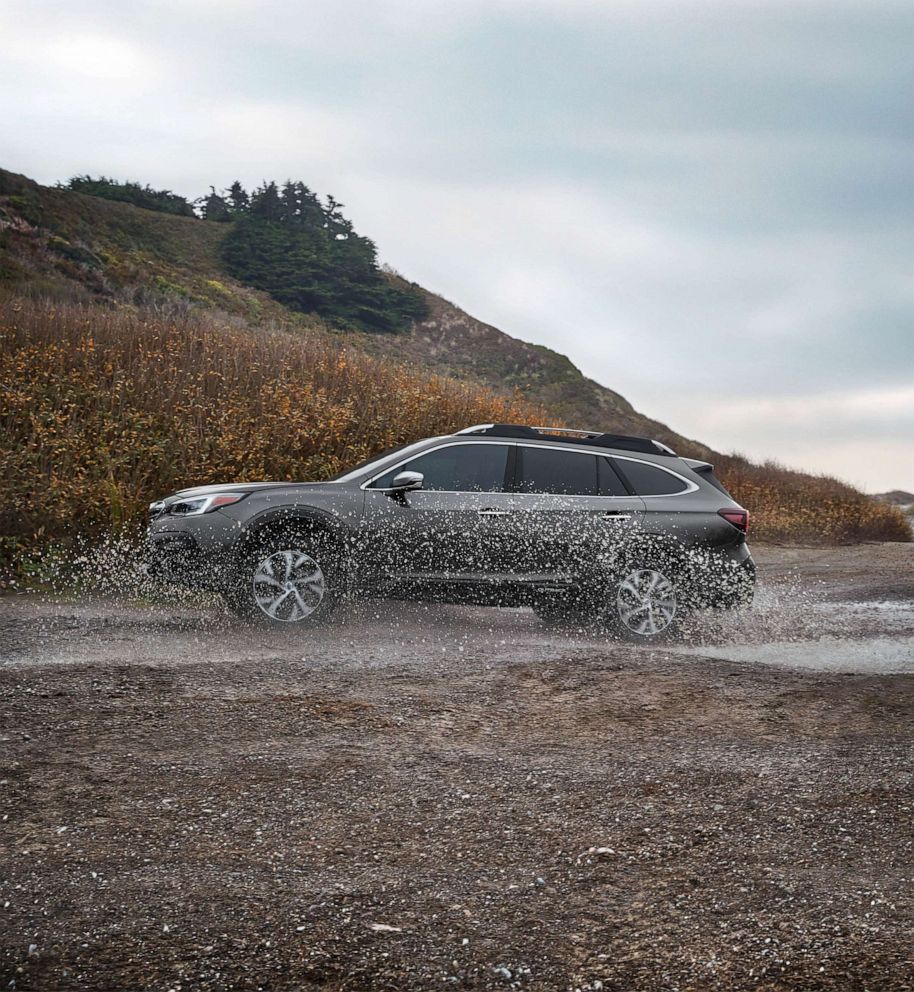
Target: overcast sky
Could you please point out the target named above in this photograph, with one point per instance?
(708, 205)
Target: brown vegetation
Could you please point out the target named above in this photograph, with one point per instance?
(792, 507)
(103, 410)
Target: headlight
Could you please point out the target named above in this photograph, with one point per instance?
(203, 504)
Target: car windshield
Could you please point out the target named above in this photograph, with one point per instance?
(378, 462)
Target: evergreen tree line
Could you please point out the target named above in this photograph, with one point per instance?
(162, 200)
(290, 243)
(305, 254)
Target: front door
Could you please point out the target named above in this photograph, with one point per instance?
(453, 529)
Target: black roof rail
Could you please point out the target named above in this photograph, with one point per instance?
(568, 435)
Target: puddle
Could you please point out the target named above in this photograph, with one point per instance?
(875, 655)
(891, 615)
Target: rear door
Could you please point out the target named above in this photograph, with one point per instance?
(673, 504)
(454, 528)
(571, 513)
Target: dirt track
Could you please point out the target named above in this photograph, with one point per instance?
(432, 798)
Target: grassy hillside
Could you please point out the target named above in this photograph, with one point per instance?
(131, 364)
(71, 247)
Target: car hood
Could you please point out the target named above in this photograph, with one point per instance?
(240, 487)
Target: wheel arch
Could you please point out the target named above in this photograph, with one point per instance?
(304, 520)
(655, 548)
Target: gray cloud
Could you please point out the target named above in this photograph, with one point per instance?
(706, 204)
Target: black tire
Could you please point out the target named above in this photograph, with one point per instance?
(645, 602)
(287, 579)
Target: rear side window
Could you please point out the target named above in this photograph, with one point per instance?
(457, 468)
(650, 480)
(562, 473)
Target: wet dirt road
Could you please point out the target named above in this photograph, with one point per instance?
(446, 797)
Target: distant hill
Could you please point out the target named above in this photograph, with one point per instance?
(897, 497)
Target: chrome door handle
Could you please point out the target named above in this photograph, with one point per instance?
(616, 515)
(491, 511)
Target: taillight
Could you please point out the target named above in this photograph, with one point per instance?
(739, 518)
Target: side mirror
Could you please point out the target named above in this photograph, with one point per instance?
(404, 481)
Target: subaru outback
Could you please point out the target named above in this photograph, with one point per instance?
(578, 525)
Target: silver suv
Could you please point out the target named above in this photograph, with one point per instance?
(581, 525)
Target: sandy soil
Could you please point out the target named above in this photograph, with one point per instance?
(446, 797)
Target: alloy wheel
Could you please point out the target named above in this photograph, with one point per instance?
(646, 602)
(288, 586)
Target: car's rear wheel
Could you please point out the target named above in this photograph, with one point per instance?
(285, 581)
(645, 603)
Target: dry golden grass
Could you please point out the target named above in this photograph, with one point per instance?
(791, 507)
(102, 411)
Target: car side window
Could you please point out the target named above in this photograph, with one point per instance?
(650, 480)
(456, 468)
(562, 473)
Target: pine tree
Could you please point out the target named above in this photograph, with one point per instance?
(214, 207)
(238, 200)
(265, 202)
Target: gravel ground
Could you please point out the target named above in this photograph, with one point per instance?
(416, 799)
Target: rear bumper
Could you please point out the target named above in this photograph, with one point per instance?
(725, 581)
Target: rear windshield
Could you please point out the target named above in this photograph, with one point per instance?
(707, 473)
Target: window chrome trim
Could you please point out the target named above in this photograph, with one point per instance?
(556, 446)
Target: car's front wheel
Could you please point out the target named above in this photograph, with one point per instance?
(645, 603)
(284, 581)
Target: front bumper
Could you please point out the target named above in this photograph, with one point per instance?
(193, 551)
(176, 557)
(173, 555)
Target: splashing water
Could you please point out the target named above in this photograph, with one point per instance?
(791, 621)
